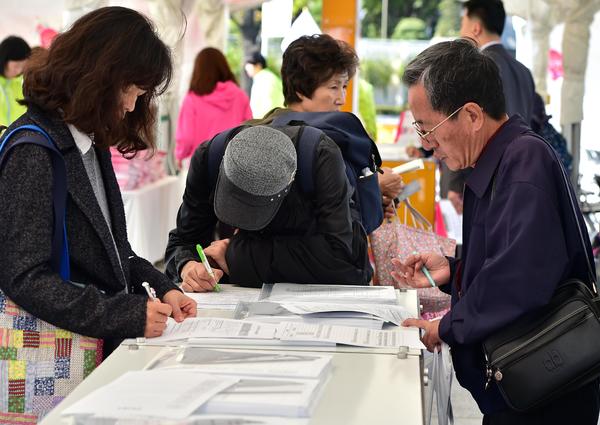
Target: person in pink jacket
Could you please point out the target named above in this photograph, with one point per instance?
(214, 103)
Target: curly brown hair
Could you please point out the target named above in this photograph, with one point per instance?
(85, 72)
(310, 61)
(210, 67)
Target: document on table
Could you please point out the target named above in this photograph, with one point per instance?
(272, 312)
(290, 397)
(255, 363)
(388, 312)
(170, 394)
(206, 327)
(360, 337)
(295, 292)
(196, 420)
(227, 299)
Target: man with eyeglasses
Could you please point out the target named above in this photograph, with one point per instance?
(519, 237)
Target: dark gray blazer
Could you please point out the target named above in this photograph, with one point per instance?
(102, 308)
(517, 82)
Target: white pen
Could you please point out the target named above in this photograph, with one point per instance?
(150, 291)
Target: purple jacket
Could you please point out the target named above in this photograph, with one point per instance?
(517, 246)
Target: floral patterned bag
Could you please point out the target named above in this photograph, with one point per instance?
(396, 238)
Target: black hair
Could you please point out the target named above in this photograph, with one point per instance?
(13, 48)
(454, 73)
(257, 59)
(490, 12)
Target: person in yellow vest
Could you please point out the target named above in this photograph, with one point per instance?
(14, 52)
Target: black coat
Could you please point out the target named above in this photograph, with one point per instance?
(310, 240)
(101, 309)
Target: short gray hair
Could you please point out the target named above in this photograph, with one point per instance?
(454, 73)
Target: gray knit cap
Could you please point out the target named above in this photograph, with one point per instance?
(257, 170)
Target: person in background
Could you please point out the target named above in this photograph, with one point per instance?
(483, 21)
(213, 103)
(315, 72)
(266, 92)
(14, 52)
(85, 107)
(520, 238)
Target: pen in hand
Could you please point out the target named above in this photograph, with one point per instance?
(150, 291)
(217, 287)
(425, 271)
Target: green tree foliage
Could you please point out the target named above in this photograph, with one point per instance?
(449, 22)
(315, 7)
(426, 10)
(377, 72)
(410, 29)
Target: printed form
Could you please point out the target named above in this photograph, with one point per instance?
(360, 337)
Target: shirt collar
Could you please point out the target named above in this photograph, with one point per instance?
(490, 43)
(82, 140)
(487, 163)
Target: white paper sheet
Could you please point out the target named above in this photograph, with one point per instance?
(389, 313)
(227, 299)
(171, 394)
(196, 420)
(206, 327)
(360, 337)
(254, 362)
(293, 292)
(290, 397)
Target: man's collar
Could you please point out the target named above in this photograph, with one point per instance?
(489, 43)
(487, 163)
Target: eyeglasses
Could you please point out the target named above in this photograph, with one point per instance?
(423, 134)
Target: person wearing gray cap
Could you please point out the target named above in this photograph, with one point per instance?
(284, 235)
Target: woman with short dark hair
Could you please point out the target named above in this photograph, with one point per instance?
(14, 52)
(92, 90)
(213, 103)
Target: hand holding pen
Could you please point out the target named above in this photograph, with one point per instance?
(424, 270)
(157, 313)
(205, 263)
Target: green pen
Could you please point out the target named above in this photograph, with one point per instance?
(217, 287)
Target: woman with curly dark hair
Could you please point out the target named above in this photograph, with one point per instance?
(92, 90)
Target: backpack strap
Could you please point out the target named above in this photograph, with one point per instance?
(216, 150)
(308, 141)
(60, 248)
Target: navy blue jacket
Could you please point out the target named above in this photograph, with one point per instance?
(517, 246)
(517, 82)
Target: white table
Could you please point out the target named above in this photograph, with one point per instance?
(363, 389)
(367, 386)
(151, 212)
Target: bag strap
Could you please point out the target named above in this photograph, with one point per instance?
(216, 150)
(60, 247)
(308, 141)
(572, 203)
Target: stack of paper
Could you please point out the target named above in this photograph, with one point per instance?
(168, 394)
(292, 397)
(342, 305)
(254, 362)
(195, 420)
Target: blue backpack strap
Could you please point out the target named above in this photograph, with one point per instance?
(308, 140)
(60, 247)
(216, 150)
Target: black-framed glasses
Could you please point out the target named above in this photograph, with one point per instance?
(423, 134)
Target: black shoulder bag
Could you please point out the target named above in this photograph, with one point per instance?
(551, 351)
